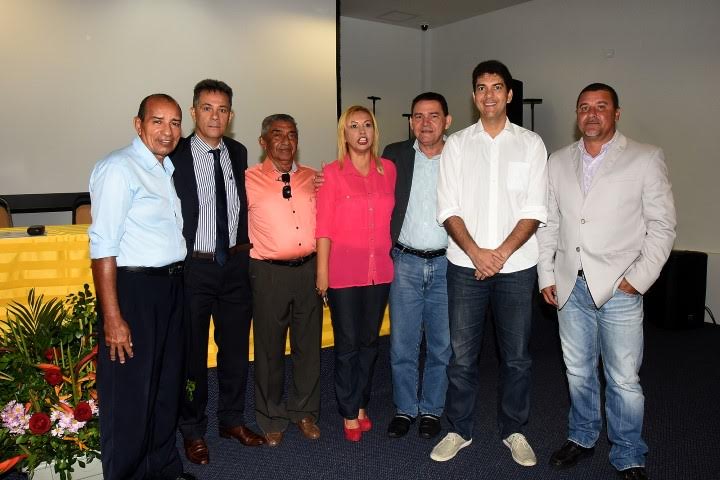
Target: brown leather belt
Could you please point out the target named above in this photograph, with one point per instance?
(171, 270)
(242, 247)
(296, 262)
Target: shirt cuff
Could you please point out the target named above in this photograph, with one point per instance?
(534, 213)
(447, 213)
(103, 251)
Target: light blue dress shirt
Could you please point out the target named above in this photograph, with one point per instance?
(135, 210)
(420, 229)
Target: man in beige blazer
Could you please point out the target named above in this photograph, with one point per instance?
(610, 229)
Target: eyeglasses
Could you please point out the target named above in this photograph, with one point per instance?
(286, 190)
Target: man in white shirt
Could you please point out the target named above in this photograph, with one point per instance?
(491, 198)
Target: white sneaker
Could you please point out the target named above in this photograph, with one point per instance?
(449, 447)
(521, 450)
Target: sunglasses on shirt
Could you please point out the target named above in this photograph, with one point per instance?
(286, 190)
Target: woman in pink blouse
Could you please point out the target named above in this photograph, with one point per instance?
(354, 267)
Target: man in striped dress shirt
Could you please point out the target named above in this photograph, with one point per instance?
(210, 181)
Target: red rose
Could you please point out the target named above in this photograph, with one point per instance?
(53, 376)
(83, 412)
(39, 423)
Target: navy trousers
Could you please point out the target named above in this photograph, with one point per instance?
(139, 400)
(357, 314)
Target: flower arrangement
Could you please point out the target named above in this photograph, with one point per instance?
(48, 402)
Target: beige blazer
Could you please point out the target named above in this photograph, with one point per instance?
(623, 227)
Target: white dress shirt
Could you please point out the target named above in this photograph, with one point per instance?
(492, 183)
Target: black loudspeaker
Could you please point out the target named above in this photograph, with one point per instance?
(677, 299)
(515, 108)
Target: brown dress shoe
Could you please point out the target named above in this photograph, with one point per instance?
(273, 439)
(309, 428)
(197, 451)
(242, 434)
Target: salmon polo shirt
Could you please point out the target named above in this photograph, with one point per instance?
(353, 211)
(280, 228)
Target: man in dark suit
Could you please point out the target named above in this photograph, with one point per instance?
(210, 181)
(418, 294)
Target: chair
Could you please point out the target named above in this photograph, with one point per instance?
(81, 210)
(5, 216)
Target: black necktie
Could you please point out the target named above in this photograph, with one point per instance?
(222, 235)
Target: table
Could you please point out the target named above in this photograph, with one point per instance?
(55, 264)
(58, 263)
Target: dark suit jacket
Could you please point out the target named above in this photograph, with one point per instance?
(402, 154)
(186, 187)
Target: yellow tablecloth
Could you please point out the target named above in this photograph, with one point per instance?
(58, 263)
(55, 264)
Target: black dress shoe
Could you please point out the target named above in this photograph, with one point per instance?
(429, 426)
(399, 426)
(569, 454)
(635, 473)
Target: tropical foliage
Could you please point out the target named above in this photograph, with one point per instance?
(48, 401)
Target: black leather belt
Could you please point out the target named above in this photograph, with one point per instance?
(233, 251)
(581, 273)
(171, 270)
(296, 262)
(421, 253)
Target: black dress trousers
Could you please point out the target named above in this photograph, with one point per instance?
(223, 292)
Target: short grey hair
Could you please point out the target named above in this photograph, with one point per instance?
(277, 117)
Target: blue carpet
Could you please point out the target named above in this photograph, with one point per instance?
(680, 377)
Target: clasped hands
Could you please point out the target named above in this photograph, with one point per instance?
(488, 262)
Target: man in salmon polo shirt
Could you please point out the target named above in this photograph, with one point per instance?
(281, 219)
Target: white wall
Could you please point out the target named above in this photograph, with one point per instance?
(74, 72)
(384, 61)
(661, 56)
(664, 65)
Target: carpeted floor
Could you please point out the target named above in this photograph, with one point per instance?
(680, 376)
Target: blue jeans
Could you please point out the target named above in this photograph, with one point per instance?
(510, 297)
(418, 302)
(615, 332)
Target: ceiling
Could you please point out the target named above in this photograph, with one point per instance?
(414, 13)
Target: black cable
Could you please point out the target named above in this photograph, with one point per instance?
(709, 312)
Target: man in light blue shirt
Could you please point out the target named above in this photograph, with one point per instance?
(418, 294)
(137, 248)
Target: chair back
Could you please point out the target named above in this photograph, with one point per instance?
(81, 210)
(5, 216)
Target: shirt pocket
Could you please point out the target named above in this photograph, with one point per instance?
(518, 176)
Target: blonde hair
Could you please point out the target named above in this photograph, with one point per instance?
(342, 143)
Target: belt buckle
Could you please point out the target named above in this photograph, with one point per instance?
(296, 262)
